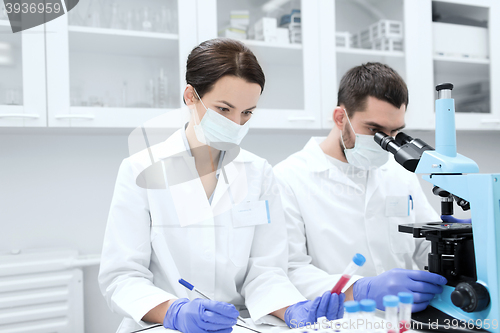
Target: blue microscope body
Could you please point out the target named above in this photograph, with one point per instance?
(473, 298)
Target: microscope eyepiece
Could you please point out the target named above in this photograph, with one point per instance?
(387, 142)
(403, 138)
(379, 139)
(406, 150)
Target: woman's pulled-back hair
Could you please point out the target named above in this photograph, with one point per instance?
(215, 58)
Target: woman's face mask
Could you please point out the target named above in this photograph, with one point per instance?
(366, 153)
(218, 131)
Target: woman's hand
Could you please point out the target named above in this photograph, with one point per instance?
(200, 316)
(304, 313)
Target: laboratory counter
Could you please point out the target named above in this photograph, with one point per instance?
(324, 325)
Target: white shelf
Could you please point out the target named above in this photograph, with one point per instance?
(261, 43)
(368, 52)
(123, 42)
(82, 116)
(119, 32)
(462, 60)
(273, 53)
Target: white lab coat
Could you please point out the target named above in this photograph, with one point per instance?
(150, 241)
(329, 219)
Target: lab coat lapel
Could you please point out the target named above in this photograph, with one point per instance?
(317, 162)
(232, 186)
(189, 198)
(374, 179)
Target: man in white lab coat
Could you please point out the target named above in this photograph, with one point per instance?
(343, 194)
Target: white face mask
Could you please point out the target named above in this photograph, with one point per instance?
(366, 153)
(218, 131)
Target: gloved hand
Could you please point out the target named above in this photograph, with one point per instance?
(304, 313)
(422, 284)
(451, 219)
(200, 316)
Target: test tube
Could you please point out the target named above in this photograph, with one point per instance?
(405, 302)
(391, 313)
(367, 307)
(351, 310)
(357, 261)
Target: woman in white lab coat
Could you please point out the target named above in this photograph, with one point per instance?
(197, 207)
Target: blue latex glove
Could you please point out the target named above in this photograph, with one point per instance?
(451, 219)
(304, 313)
(200, 316)
(423, 285)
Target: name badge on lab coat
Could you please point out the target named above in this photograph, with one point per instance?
(399, 206)
(250, 213)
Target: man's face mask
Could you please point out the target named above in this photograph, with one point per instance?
(366, 153)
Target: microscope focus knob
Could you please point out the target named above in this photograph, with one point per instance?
(470, 296)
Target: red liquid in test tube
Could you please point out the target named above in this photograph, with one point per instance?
(341, 284)
(357, 261)
(402, 326)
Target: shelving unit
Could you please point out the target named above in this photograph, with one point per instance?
(291, 98)
(472, 73)
(22, 78)
(112, 77)
(69, 74)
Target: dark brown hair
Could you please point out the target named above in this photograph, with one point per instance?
(215, 58)
(371, 79)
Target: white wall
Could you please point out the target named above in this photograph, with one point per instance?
(56, 187)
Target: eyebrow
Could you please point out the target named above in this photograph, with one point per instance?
(232, 106)
(370, 123)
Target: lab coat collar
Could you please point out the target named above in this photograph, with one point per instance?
(316, 159)
(231, 168)
(318, 162)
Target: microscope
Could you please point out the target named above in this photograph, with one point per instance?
(467, 254)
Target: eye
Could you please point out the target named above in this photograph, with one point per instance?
(223, 109)
(373, 130)
(247, 112)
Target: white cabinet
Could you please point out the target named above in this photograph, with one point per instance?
(472, 61)
(118, 64)
(22, 77)
(420, 63)
(291, 97)
(122, 63)
(405, 49)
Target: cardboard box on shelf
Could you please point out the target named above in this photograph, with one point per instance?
(266, 29)
(283, 36)
(240, 18)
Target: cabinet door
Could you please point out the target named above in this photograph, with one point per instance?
(22, 76)
(291, 98)
(348, 39)
(119, 63)
(466, 53)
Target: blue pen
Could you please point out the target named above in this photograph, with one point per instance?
(410, 200)
(192, 288)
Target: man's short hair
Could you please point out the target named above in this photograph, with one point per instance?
(371, 79)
